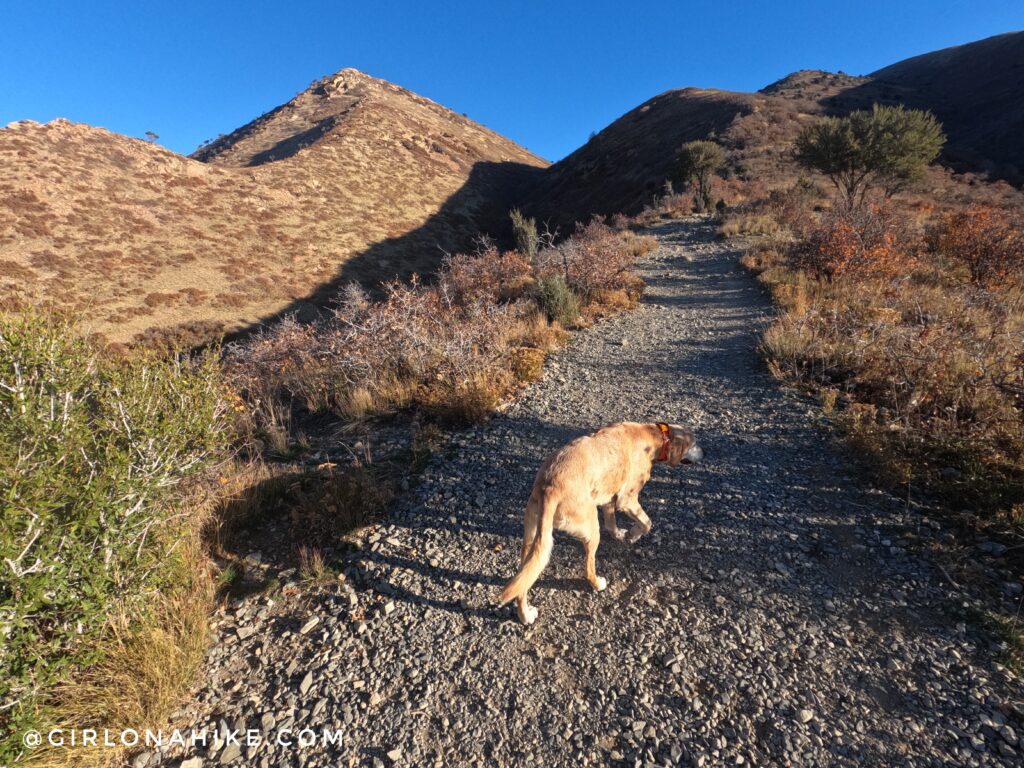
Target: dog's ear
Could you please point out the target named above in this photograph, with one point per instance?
(683, 446)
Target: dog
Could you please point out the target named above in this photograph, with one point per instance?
(606, 470)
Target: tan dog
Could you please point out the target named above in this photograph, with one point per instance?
(607, 469)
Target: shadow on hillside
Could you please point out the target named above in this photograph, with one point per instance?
(979, 143)
(480, 206)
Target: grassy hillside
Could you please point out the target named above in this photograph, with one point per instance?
(140, 241)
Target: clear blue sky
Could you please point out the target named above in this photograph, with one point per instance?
(544, 73)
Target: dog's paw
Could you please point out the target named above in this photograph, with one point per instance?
(528, 615)
(618, 534)
(602, 584)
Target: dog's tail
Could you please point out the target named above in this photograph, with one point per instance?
(538, 558)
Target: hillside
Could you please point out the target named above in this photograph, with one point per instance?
(976, 90)
(621, 167)
(355, 178)
(359, 179)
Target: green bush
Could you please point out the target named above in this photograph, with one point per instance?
(888, 147)
(90, 451)
(525, 231)
(557, 300)
(696, 162)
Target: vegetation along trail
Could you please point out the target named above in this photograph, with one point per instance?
(776, 614)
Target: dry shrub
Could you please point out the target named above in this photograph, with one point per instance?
(468, 400)
(488, 275)
(863, 241)
(454, 348)
(988, 241)
(141, 678)
(414, 346)
(762, 257)
(668, 206)
(528, 363)
(596, 258)
(791, 207)
(749, 224)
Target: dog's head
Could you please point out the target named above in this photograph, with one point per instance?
(682, 447)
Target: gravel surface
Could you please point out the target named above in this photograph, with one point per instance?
(777, 614)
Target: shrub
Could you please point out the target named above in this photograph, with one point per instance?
(987, 240)
(448, 348)
(90, 449)
(525, 232)
(417, 345)
(596, 258)
(791, 207)
(926, 374)
(557, 300)
(860, 241)
(695, 163)
(888, 146)
(488, 275)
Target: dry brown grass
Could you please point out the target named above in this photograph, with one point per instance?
(924, 370)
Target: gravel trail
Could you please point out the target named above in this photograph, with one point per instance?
(779, 612)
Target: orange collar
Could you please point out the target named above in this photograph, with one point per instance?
(666, 438)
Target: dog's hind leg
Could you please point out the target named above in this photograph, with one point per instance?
(591, 538)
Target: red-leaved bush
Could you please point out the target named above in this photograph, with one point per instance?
(862, 241)
(988, 241)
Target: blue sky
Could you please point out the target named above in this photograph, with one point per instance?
(543, 73)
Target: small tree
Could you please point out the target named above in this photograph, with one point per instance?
(696, 161)
(525, 231)
(888, 147)
(151, 137)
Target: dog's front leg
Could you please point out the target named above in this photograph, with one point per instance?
(641, 524)
(608, 512)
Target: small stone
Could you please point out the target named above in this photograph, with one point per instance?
(395, 755)
(307, 681)
(244, 632)
(192, 762)
(308, 626)
(805, 715)
(231, 752)
(389, 607)
(141, 759)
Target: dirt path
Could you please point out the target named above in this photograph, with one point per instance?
(777, 614)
